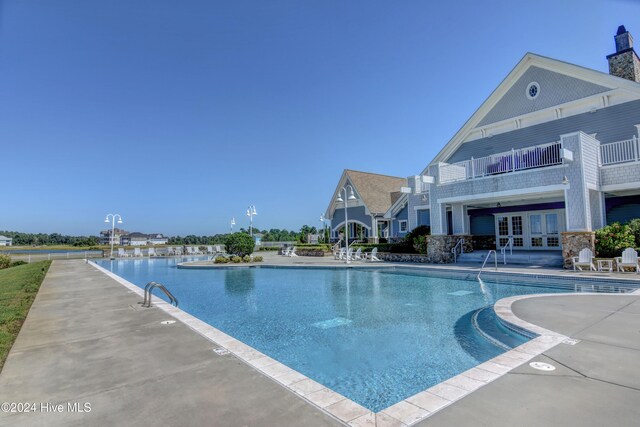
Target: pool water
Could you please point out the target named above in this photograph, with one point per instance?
(375, 336)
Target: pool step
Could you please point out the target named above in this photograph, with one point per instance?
(529, 258)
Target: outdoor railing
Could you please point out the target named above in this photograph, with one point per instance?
(509, 161)
(620, 152)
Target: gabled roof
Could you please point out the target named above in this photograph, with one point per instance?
(596, 79)
(378, 192)
(5, 238)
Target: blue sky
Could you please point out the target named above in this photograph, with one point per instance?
(179, 114)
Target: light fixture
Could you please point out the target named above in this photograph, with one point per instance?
(498, 205)
(565, 180)
(351, 195)
(339, 199)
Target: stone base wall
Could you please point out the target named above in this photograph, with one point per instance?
(439, 247)
(386, 256)
(482, 243)
(573, 242)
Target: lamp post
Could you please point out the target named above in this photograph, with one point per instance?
(113, 227)
(324, 225)
(346, 222)
(233, 222)
(251, 211)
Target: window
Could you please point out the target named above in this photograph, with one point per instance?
(403, 226)
(533, 90)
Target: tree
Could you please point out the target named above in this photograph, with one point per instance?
(239, 244)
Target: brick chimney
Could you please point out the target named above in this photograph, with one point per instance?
(625, 62)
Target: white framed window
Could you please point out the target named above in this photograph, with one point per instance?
(403, 225)
(533, 90)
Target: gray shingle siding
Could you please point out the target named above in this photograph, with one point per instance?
(611, 124)
(356, 213)
(555, 89)
(620, 174)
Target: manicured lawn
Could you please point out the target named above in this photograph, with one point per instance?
(18, 288)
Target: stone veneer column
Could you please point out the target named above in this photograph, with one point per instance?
(573, 242)
(439, 247)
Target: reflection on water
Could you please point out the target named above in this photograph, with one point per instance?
(240, 281)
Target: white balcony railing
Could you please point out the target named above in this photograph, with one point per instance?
(620, 152)
(509, 161)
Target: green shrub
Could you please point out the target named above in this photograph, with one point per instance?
(420, 244)
(239, 244)
(5, 261)
(613, 239)
(634, 227)
(236, 259)
(257, 258)
(421, 230)
(17, 263)
(221, 260)
(246, 258)
(269, 248)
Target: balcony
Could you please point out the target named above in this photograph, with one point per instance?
(539, 156)
(615, 153)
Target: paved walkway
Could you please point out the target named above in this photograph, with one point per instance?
(87, 340)
(596, 381)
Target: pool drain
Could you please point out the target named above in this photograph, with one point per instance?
(168, 322)
(542, 366)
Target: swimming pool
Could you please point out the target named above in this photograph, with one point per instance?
(376, 336)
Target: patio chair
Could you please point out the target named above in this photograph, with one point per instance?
(358, 255)
(178, 250)
(137, 252)
(629, 259)
(341, 254)
(286, 251)
(584, 259)
(220, 249)
(293, 252)
(122, 253)
(152, 252)
(210, 250)
(349, 253)
(373, 255)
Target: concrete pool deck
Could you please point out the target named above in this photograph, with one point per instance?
(87, 340)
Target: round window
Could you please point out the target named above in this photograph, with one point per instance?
(533, 90)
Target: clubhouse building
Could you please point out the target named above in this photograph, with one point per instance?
(549, 157)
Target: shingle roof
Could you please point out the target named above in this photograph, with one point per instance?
(378, 192)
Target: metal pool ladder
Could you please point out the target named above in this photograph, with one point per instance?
(495, 259)
(149, 287)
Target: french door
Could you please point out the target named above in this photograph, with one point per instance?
(544, 230)
(510, 227)
(529, 230)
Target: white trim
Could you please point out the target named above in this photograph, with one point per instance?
(618, 187)
(352, 220)
(421, 207)
(556, 188)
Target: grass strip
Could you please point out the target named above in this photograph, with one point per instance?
(18, 288)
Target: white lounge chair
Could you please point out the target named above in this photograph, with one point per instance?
(341, 254)
(178, 251)
(190, 251)
(122, 253)
(286, 251)
(293, 252)
(152, 252)
(373, 255)
(220, 249)
(137, 252)
(358, 255)
(629, 259)
(210, 250)
(584, 259)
